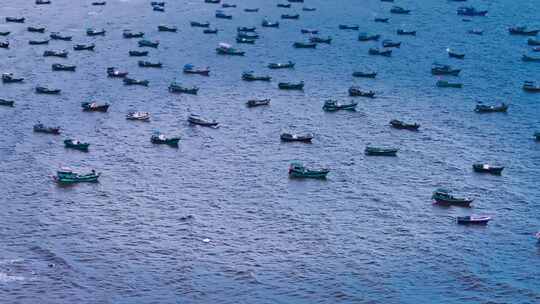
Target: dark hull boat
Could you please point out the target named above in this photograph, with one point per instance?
(523, 31)
(281, 5)
(66, 176)
(373, 151)
(62, 67)
(291, 86)
(368, 37)
(442, 196)
(246, 29)
(249, 76)
(470, 11)
(138, 53)
(92, 33)
(406, 33)
(43, 90)
(288, 137)
(197, 120)
(148, 64)
(446, 84)
(533, 42)
(176, 88)
(485, 168)
(9, 78)
(113, 72)
(4, 33)
(94, 107)
(473, 220)
(257, 102)
(247, 35)
(355, 91)
(38, 42)
(452, 54)
(190, 69)
(14, 20)
(267, 23)
(41, 128)
(251, 10)
(287, 16)
(440, 69)
(4, 45)
(381, 20)
(62, 54)
(77, 145)
(316, 39)
(225, 49)
(222, 15)
(57, 36)
(245, 40)
(131, 81)
(147, 43)
(348, 27)
(364, 74)
(530, 58)
(397, 124)
(531, 87)
(210, 31)
(129, 34)
(199, 24)
(6, 103)
(491, 109)
(288, 65)
(308, 31)
(36, 29)
(303, 45)
(332, 106)
(160, 139)
(391, 44)
(297, 170)
(384, 53)
(399, 10)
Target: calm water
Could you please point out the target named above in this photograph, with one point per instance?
(369, 234)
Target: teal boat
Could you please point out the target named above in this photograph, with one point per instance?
(332, 106)
(67, 176)
(374, 151)
(447, 84)
(75, 144)
(298, 170)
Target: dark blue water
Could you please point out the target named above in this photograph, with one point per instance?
(369, 234)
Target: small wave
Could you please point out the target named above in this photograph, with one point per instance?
(6, 278)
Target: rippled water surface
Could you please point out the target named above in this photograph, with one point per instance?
(217, 220)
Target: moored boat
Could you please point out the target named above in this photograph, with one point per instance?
(289, 16)
(527, 58)
(148, 64)
(317, 39)
(115, 73)
(268, 23)
(148, 43)
(381, 20)
(476, 32)
(333, 105)
(38, 42)
(530, 86)
(399, 10)
(198, 120)
(15, 19)
(368, 37)
(364, 74)
(67, 176)
(533, 42)
(128, 34)
(247, 35)
(293, 137)
(131, 81)
(10, 78)
(4, 33)
(298, 170)
(245, 40)
(443, 196)
(283, 5)
(34, 29)
(348, 27)
(138, 53)
(250, 76)
(63, 67)
(41, 128)
(177, 88)
(251, 10)
(58, 36)
(486, 168)
(402, 32)
(210, 31)
(94, 107)
(470, 11)
(456, 55)
(480, 108)
(226, 49)
(138, 115)
(291, 86)
(443, 69)
(523, 31)
(356, 91)
(398, 124)
(44, 90)
(257, 102)
(309, 31)
(6, 103)
(447, 84)
(304, 45)
(4, 45)
(222, 15)
(191, 69)
(91, 32)
(76, 144)
(377, 151)
(387, 43)
(251, 29)
(379, 52)
(473, 220)
(286, 65)
(160, 139)
(61, 54)
(199, 24)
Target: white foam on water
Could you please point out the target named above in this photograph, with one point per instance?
(6, 278)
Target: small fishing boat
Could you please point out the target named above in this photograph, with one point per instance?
(402, 32)
(309, 9)
(167, 28)
(227, 5)
(333, 105)
(475, 32)
(470, 11)
(115, 73)
(309, 31)
(398, 124)
(61, 54)
(246, 29)
(292, 137)
(142, 116)
(34, 29)
(356, 91)
(287, 65)
(387, 43)
(58, 36)
(530, 86)
(160, 139)
(456, 55)
(291, 86)
(44, 90)
(177, 88)
(91, 32)
(63, 67)
(480, 108)
(212, 1)
(99, 3)
(210, 31)
(537, 136)
(443, 196)
(367, 37)
(128, 34)
(268, 23)
(375, 151)
(148, 64)
(67, 176)
(304, 45)
(4, 45)
(533, 42)
(530, 58)
(199, 24)
(41, 128)
(158, 8)
(15, 20)
(94, 107)
(245, 40)
(157, 3)
(222, 15)
(38, 42)
(536, 49)
(250, 76)
(473, 220)
(10, 78)
(444, 69)
(287, 16)
(257, 102)
(298, 170)
(485, 168)
(381, 20)
(399, 10)
(43, 2)
(191, 69)
(296, 1)
(364, 74)
(131, 81)
(251, 10)
(226, 49)
(247, 35)
(383, 52)
(316, 39)
(148, 43)
(523, 31)
(198, 120)
(282, 5)
(447, 84)
(6, 103)
(2, 33)
(138, 53)
(348, 27)
(76, 144)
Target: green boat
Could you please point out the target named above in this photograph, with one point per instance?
(447, 84)
(297, 170)
(67, 176)
(374, 151)
(75, 144)
(332, 106)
